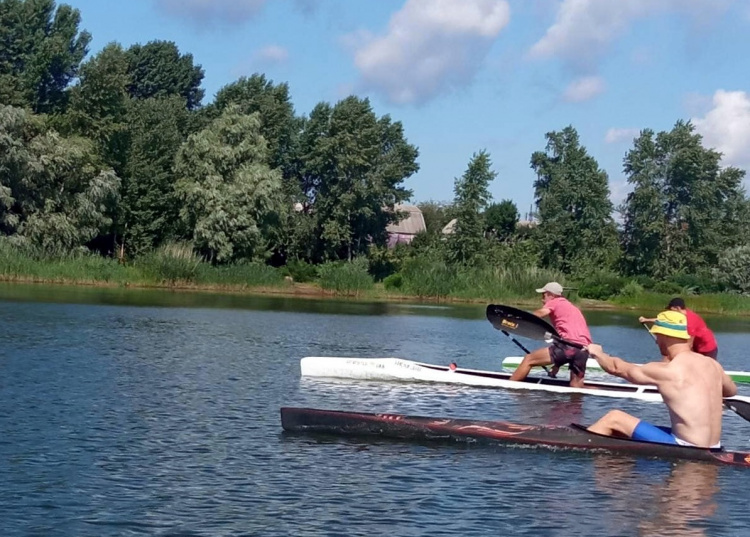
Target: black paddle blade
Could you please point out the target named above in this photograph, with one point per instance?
(740, 406)
(523, 323)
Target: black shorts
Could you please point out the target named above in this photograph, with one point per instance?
(561, 354)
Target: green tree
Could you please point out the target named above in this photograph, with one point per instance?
(684, 209)
(351, 169)
(157, 69)
(55, 193)
(471, 198)
(501, 219)
(149, 210)
(231, 200)
(279, 126)
(99, 104)
(436, 215)
(576, 231)
(40, 53)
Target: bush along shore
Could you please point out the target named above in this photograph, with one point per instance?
(178, 267)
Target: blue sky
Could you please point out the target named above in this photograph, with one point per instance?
(467, 75)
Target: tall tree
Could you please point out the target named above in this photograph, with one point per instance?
(279, 126)
(99, 103)
(149, 210)
(684, 208)
(41, 50)
(576, 231)
(472, 195)
(55, 192)
(352, 168)
(157, 69)
(231, 200)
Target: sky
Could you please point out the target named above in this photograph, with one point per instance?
(469, 75)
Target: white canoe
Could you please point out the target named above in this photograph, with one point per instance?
(398, 369)
(512, 362)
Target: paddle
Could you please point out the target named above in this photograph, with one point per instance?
(524, 323)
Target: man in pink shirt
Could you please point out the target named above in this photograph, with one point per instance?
(702, 339)
(571, 325)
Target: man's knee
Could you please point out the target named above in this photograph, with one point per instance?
(538, 357)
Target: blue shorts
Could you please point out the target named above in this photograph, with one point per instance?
(646, 432)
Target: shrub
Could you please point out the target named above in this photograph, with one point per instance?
(427, 277)
(346, 278)
(171, 263)
(394, 281)
(601, 285)
(301, 271)
(734, 269)
(667, 288)
(631, 289)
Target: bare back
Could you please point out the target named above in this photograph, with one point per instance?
(692, 390)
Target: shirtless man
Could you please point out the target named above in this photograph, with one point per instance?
(691, 384)
(571, 325)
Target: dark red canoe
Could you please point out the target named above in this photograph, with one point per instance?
(421, 428)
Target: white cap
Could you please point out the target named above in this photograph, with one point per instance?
(553, 288)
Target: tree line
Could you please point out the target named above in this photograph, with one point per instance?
(117, 155)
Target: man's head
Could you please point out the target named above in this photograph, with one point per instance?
(670, 328)
(676, 304)
(550, 290)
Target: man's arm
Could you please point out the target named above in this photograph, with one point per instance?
(728, 387)
(651, 373)
(542, 312)
(646, 320)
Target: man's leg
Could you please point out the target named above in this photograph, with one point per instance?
(615, 423)
(535, 358)
(578, 368)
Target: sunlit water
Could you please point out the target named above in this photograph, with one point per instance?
(145, 414)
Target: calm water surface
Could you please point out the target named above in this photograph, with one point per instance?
(154, 413)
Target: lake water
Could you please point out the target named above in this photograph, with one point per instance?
(126, 412)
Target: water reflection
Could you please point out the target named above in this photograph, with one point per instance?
(656, 498)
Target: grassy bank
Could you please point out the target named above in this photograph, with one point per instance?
(176, 267)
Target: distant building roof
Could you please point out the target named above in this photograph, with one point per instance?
(412, 224)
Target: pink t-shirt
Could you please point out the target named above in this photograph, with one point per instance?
(568, 320)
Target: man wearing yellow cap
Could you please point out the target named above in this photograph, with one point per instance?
(692, 386)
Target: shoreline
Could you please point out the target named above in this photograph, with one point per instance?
(315, 292)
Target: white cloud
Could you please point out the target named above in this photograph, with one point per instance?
(615, 135)
(272, 54)
(726, 127)
(583, 89)
(583, 29)
(430, 47)
(210, 11)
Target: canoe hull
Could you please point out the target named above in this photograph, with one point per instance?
(423, 428)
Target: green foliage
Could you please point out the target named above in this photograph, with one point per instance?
(243, 274)
(98, 104)
(501, 219)
(666, 288)
(149, 211)
(734, 269)
(427, 277)
(631, 289)
(40, 53)
(384, 261)
(157, 69)
(171, 263)
(54, 192)
(684, 209)
(346, 278)
(576, 230)
(393, 282)
(351, 169)
(278, 124)
(300, 271)
(601, 285)
(504, 282)
(472, 194)
(231, 200)
(436, 215)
